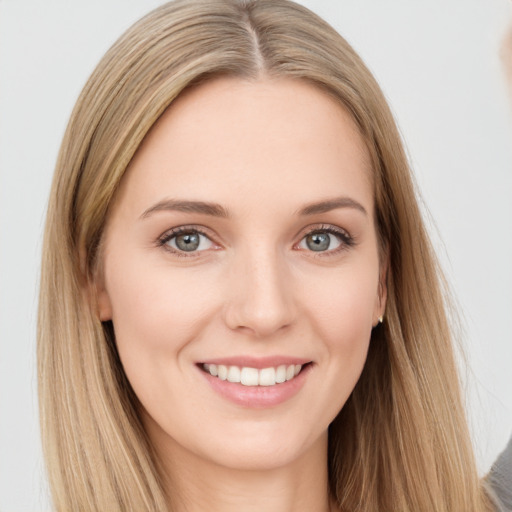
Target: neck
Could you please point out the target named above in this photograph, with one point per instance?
(196, 485)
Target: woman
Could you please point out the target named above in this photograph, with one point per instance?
(250, 313)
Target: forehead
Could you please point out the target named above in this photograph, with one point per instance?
(271, 136)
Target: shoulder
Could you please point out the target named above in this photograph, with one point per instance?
(500, 477)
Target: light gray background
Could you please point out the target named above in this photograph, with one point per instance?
(438, 63)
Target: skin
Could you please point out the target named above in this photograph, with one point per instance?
(263, 151)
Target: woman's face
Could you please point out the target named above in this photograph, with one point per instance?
(242, 246)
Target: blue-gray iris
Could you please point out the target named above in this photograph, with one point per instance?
(318, 241)
(188, 242)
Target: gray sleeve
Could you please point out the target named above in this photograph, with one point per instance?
(500, 478)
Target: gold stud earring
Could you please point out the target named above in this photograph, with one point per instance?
(381, 319)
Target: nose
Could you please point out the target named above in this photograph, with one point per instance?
(260, 299)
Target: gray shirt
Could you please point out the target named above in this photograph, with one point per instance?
(500, 478)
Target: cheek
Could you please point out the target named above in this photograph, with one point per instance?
(343, 307)
(156, 311)
(342, 315)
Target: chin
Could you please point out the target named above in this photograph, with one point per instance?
(265, 451)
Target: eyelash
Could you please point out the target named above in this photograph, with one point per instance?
(182, 230)
(346, 240)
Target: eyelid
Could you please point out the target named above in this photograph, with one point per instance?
(346, 239)
(163, 239)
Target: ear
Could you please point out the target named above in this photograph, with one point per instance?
(382, 292)
(103, 303)
(96, 290)
(99, 297)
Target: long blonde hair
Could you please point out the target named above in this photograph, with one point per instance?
(401, 442)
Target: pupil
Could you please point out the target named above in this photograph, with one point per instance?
(318, 241)
(187, 242)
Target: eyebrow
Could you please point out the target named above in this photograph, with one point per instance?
(332, 204)
(205, 208)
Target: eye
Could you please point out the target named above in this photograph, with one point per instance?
(326, 239)
(187, 240)
(320, 241)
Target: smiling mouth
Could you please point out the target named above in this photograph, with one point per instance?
(248, 376)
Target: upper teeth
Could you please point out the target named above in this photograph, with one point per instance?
(252, 376)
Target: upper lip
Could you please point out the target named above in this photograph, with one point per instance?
(256, 362)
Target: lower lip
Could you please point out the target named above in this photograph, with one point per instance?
(258, 396)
